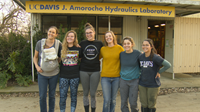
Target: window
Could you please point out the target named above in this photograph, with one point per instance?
(76, 20)
(72, 22)
(115, 26)
(48, 21)
(61, 21)
(57, 21)
(102, 27)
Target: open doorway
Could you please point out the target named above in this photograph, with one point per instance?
(156, 32)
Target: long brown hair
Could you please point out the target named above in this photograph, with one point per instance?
(114, 38)
(153, 49)
(65, 44)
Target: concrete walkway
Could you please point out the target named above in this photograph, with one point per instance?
(181, 80)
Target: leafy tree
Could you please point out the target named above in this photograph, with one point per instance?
(13, 19)
(80, 31)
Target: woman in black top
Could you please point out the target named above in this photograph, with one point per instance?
(69, 70)
(90, 66)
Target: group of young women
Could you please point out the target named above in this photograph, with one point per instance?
(128, 70)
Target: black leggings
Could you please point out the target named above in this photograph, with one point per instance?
(90, 81)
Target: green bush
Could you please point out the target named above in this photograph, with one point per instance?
(16, 57)
(4, 77)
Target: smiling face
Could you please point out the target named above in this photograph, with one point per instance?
(70, 38)
(109, 38)
(90, 34)
(128, 45)
(52, 34)
(146, 47)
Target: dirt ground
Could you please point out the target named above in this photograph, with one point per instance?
(175, 102)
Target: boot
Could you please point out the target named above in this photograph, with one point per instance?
(144, 109)
(86, 108)
(152, 109)
(93, 109)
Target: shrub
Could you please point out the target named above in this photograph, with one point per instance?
(16, 58)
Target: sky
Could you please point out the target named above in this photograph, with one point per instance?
(5, 10)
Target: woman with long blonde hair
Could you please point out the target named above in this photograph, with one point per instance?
(69, 70)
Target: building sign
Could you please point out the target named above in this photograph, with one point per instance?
(99, 8)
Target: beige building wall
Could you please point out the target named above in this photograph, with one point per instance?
(131, 27)
(169, 43)
(186, 45)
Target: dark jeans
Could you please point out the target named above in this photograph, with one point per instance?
(64, 85)
(129, 89)
(43, 83)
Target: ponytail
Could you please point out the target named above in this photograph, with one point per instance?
(89, 26)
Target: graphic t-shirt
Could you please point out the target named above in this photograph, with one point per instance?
(149, 70)
(71, 58)
(69, 65)
(90, 55)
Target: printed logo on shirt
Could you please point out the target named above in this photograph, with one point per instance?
(90, 52)
(146, 64)
(71, 58)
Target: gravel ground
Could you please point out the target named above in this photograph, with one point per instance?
(163, 91)
(169, 100)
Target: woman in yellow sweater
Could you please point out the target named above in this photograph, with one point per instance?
(110, 74)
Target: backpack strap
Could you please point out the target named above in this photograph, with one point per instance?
(42, 43)
(57, 43)
(42, 47)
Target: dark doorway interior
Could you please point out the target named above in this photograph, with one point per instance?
(156, 32)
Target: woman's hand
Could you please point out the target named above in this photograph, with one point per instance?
(39, 69)
(77, 45)
(158, 75)
(35, 60)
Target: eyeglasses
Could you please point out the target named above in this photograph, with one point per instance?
(88, 33)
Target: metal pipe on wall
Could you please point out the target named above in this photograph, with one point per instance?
(108, 23)
(32, 47)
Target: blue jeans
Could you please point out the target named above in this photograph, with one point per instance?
(43, 83)
(64, 86)
(110, 88)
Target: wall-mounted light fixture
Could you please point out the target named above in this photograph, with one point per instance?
(156, 26)
(162, 24)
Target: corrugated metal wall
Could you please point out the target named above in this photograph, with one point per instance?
(131, 27)
(194, 15)
(186, 45)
